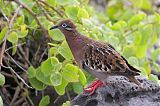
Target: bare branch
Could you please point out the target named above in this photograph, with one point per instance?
(15, 62)
(7, 34)
(51, 7)
(18, 89)
(45, 12)
(4, 15)
(18, 102)
(18, 76)
(15, 46)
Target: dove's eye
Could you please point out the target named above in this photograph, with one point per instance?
(64, 25)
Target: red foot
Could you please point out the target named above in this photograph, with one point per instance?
(91, 88)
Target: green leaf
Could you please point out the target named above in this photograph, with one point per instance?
(155, 66)
(153, 78)
(153, 18)
(65, 2)
(43, 78)
(136, 19)
(127, 14)
(82, 13)
(38, 85)
(143, 4)
(119, 25)
(129, 50)
(44, 101)
(87, 23)
(70, 73)
(14, 48)
(72, 12)
(50, 65)
(143, 71)
(58, 66)
(155, 54)
(51, 2)
(82, 78)
(46, 67)
(2, 33)
(33, 24)
(147, 4)
(115, 39)
(1, 101)
(67, 103)
(146, 33)
(46, 23)
(20, 20)
(6, 9)
(141, 51)
(2, 80)
(147, 67)
(77, 87)
(56, 34)
(13, 37)
(29, 3)
(133, 61)
(60, 89)
(52, 51)
(137, 38)
(114, 9)
(56, 79)
(154, 39)
(65, 51)
(23, 32)
(31, 72)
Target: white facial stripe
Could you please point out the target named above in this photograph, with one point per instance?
(69, 29)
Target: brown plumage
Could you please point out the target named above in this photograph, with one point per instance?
(99, 59)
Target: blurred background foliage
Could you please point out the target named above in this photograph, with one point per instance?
(31, 55)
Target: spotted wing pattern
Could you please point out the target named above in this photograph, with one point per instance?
(103, 58)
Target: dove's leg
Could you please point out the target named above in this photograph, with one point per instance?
(96, 84)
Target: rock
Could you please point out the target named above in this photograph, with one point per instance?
(121, 92)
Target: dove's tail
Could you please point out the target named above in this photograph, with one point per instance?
(134, 80)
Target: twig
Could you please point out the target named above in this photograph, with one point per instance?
(14, 46)
(6, 74)
(8, 67)
(24, 55)
(45, 13)
(56, 99)
(69, 98)
(37, 51)
(11, 22)
(43, 54)
(34, 15)
(48, 17)
(19, 63)
(15, 62)
(51, 7)
(30, 101)
(18, 89)
(17, 103)
(4, 15)
(5, 95)
(7, 34)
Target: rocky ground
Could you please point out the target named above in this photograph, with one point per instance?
(121, 93)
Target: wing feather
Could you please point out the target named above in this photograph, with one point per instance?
(103, 58)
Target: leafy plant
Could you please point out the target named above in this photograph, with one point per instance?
(130, 29)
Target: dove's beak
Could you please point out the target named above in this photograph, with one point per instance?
(54, 27)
